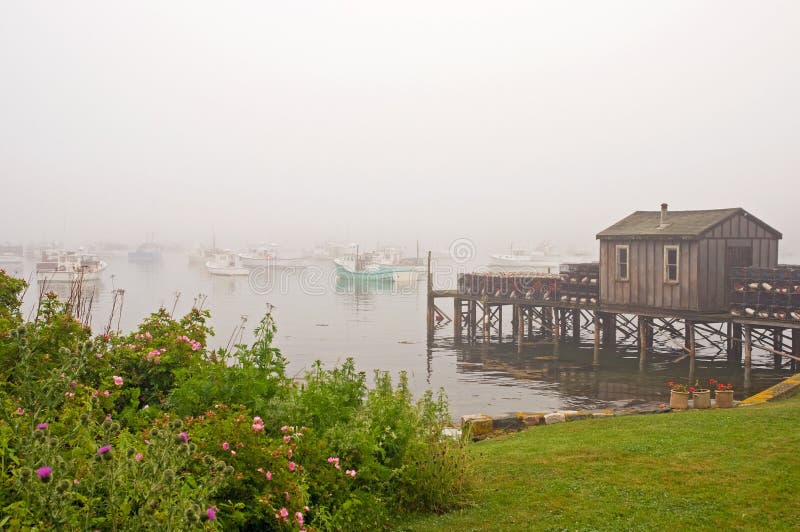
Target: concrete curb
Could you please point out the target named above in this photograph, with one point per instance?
(785, 388)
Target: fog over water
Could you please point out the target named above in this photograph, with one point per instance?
(364, 121)
(415, 122)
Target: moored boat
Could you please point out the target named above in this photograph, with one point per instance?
(147, 252)
(10, 254)
(69, 266)
(226, 264)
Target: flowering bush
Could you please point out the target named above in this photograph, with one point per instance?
(152, 430)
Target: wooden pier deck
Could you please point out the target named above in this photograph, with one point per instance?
(479, 317)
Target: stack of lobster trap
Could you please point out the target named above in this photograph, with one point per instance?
(578, 283)
(766, 293)
(532, 286)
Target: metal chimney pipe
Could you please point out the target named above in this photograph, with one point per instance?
(663, 213)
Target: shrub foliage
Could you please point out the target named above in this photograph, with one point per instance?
(154, 430)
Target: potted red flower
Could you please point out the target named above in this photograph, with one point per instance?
(724, 395)
(678, 396)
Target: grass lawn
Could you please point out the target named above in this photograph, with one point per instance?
(716, 469)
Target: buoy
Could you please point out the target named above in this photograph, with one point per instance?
(763, 314)
(754, 286)
(735, 312)
(749, 311)
(767, 287)
(795, 315)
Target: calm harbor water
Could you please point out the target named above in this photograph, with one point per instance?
(383, 327)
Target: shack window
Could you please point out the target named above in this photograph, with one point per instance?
(671, 264)
(622, 263)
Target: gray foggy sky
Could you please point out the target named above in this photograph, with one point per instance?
(303, 121)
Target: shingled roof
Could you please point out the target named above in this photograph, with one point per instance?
(686, 224)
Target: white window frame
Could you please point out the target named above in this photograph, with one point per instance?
(677, 279)
(617, 262)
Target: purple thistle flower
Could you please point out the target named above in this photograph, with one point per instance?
(184, 436)
(212, 514)
(103, 450)
(42, 426)
(44, 473)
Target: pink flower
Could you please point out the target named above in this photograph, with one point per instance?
(351, 472)
(212, 514)
(299, 517)
(103, 450)
(286, 494)
(284, 428)
(287, 439)
(44, 473)
(105, 392)
(42, 426)
(292, 466)
(184, 436)
(269, 475)
(99, 355)
(20, 411)
(284, 513)
(258, 424)
(138, 457)
(225, 446)
(108, 417)
(117, 380)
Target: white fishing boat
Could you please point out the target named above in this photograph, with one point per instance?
(10, 254)
(69, 266)
(226, 264)
(523, 258)
(267, 256)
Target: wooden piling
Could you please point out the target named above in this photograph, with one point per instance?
(748, 355)
(692, 350)
(737, 344)
(458, 318)
(576, 325)
(520, 327)
(795, 347)
(642, 339)
(596, 359)
(430, 317)
(777, 345)
(486, 319)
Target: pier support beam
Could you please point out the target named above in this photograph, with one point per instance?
(777, 345)
(487, 322)
(748, 355)
(556, 329)
(596, 359)
(735, 354)
(520, 327)
(795, 347)
(458, 321)
(642, 341)
(576, 325)
(692, 349)
(429, 278)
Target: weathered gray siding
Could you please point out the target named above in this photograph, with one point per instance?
(703, 276)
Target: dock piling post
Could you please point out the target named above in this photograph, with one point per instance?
(596, 359)
(642, 321)
(795, 347)
(692, 350)
(430, 317)
(777, 345)
(576, 325)
(520, 327)
(458, 319)
(748, 355)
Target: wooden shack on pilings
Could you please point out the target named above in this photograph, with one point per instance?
(681, 260)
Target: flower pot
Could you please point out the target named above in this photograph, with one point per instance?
(678, 400)
(724, 398)
(702, 398)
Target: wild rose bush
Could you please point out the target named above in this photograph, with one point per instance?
(152, 430)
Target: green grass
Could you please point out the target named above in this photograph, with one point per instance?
(718, 469)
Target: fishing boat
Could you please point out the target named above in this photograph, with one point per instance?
(539, 259)
(266, 256)
(226, 264)
(69, 266)
(357, 265)
(10, 255)
(147, 252)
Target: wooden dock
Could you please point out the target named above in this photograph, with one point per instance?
(480, 318)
